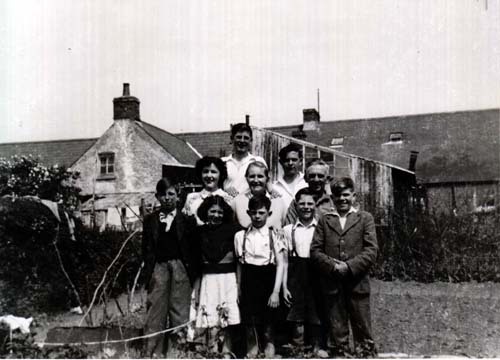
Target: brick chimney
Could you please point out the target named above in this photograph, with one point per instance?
(311, 119)
(126, 106)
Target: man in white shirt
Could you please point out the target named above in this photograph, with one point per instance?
(292, 180)
(240, 158)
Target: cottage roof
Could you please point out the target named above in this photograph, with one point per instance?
(60, 152)
(176, 146)
(67, 152)
(452, 147)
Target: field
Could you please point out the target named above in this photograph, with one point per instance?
(409, 319)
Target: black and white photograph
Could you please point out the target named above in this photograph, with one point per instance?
(232, 179)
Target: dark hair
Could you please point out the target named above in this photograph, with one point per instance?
(207, 161)
(258, 202)
(164, 183)
(288, 149)
(211, 201)
(240, 127)
(304, 191)
(260, 165)
(340, 184)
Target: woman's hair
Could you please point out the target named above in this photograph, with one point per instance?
(258, 164)
(207, 161)
(211, 201)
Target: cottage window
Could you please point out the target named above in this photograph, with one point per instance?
(337, 142)
(395, 137)
(107, 164)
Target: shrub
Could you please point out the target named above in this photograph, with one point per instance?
(31, 277)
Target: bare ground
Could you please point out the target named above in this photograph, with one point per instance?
(409, 319)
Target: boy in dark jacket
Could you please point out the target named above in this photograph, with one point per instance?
(344, 248)
(170, 266)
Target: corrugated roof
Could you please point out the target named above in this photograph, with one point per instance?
(453, 147)
(60, 152)
(174, 145)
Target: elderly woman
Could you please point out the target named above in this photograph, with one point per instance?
(212, 172)
(257, 176)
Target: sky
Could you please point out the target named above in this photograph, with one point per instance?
(202, 65)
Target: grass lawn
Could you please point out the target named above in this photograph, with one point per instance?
(408, 318)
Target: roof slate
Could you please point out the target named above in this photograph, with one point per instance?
(60, 152)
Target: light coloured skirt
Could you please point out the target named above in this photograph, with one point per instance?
(218, 304)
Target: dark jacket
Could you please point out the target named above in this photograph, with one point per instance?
(185, 227)
(356, 245)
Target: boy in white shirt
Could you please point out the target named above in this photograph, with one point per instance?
(260, 251)
(299, 279)
(292, 180)
(240, 158)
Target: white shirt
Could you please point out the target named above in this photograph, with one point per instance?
(288, 191)
(343, 219)
(303, 237)
(194, 200)
(167, 218)
(257, 246)
(240, 207)
(236, 171)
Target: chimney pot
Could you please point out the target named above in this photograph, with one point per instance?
(247, 119)
(126, 89)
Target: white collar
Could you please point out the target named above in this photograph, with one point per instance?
(263, 230)
(249, 195)
(249, 156)
(351, 211)
(170, 214)
(281, 179)
(299, 223)
(205, 193)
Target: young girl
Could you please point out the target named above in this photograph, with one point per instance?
(218, 294)
(212, 172)
(260, 251)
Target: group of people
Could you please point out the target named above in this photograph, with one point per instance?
(245, 253)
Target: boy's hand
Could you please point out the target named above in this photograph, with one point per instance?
(287, 297)
(341, 268)
(274, 300)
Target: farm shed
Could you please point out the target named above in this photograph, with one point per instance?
(382, 188)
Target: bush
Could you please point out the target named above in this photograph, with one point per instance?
(31, 277)
(440, 247)
(24, 175)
